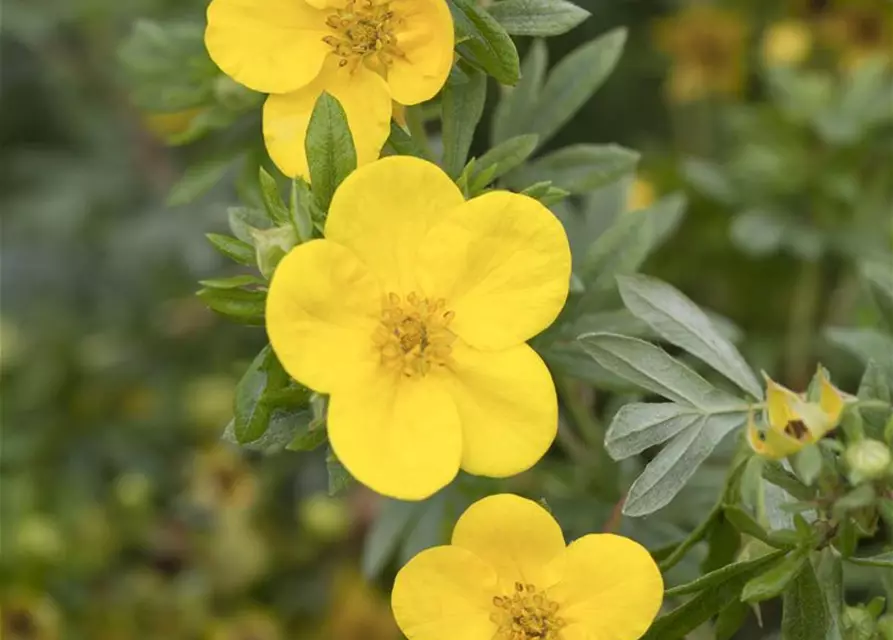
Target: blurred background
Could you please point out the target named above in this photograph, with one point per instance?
(122, 513)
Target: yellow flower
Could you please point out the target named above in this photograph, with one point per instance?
(170, 124)
(221, 479)
(365, 53)
(707, 46)
(794, 422)
(642, 195)
(859, 30)
(358, 611)
(786, 43)
(413, 315)
(508, 576)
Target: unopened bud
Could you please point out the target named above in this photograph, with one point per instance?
(868, 459)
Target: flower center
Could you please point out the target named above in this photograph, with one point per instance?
(414, 334)
(364, 29)
(526, 614)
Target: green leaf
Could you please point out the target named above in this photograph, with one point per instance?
(281, 430)
(675, 555)
(233, 282)
(880, 282)
(747, 524)
(519, 102)
(715, 591)
(862, 496)
(240, 305)
(502, 158)
(651, 368)
(569, 359)
(865, 344)
(233, 248)
(573, 81)
(462, 105)
(808, 464)
(679, 321)
(638, 426)
(538, 17)
(671, 469)
(243, 219)
(198, 180)
(546, 193)
(252, 409)
(883, 560)
(806, 613)
(710, 179)
(776, 579)
(385, 535)
(339, 478)
(581, 168)
(874, 387)
(272, 198)
(302, 209)
(330, 150)
(428, 530)
(308, 438)
(723, 575)
(774, 473)
(483, 42)
(730, 620)
(404, 144)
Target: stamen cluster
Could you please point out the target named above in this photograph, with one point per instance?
(526, 614)
(414, 334)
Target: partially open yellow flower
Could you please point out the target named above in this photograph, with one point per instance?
(365, 53)
(858, 30)
(641, 195)
(792, 421)
(508, 576)
(413, 315)
(29, 617)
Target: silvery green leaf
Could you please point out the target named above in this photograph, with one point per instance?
(503, 158)
(679, 321)
(462, 104)
(537, 17)
(272, 197)
(386, 533)
(809, 608)
(198, 179)
(483, 42)
(879, 277)
(672, 468)
(569, 359)
(866, 345)
(638, 426)
(651, 368)
(581, 168)
(243, 219)
(518, 104)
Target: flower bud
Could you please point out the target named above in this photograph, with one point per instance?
(868, 459)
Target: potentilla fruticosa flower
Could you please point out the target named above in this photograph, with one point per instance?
(413, 314)
(707, 46)
(507, 575)
(792, 421)
(365, 53)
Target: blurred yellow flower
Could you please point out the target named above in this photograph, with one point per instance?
(365, 53)
(786, 43)
(358, 611)
(221, 479)
(641, 195)
(29, 617)
(508, 576)
(792, 421)
(167, 125)
(859, 30)
(707, 47)
(413, 314)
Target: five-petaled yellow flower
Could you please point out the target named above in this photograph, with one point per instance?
(508, 576)
(413, 314)
(366, 53)
(792, 421)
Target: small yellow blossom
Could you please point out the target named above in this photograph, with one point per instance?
(786, 43)
(707, 46)
(508, 576)
(221, 479)
(859, 30)
(413, 315)
(642, 194)
(365, 53)
(792, 421)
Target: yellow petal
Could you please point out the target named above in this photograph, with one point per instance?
(771, 443)
(274, 46)
(384, 210)
(366, 102)
(830, 398)
(399, 436)
(445, 593)
(779, 404)
(322, 309)
(516, 536)
(425, 36)
(507, 406)
(503, 263)
(610, 588)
